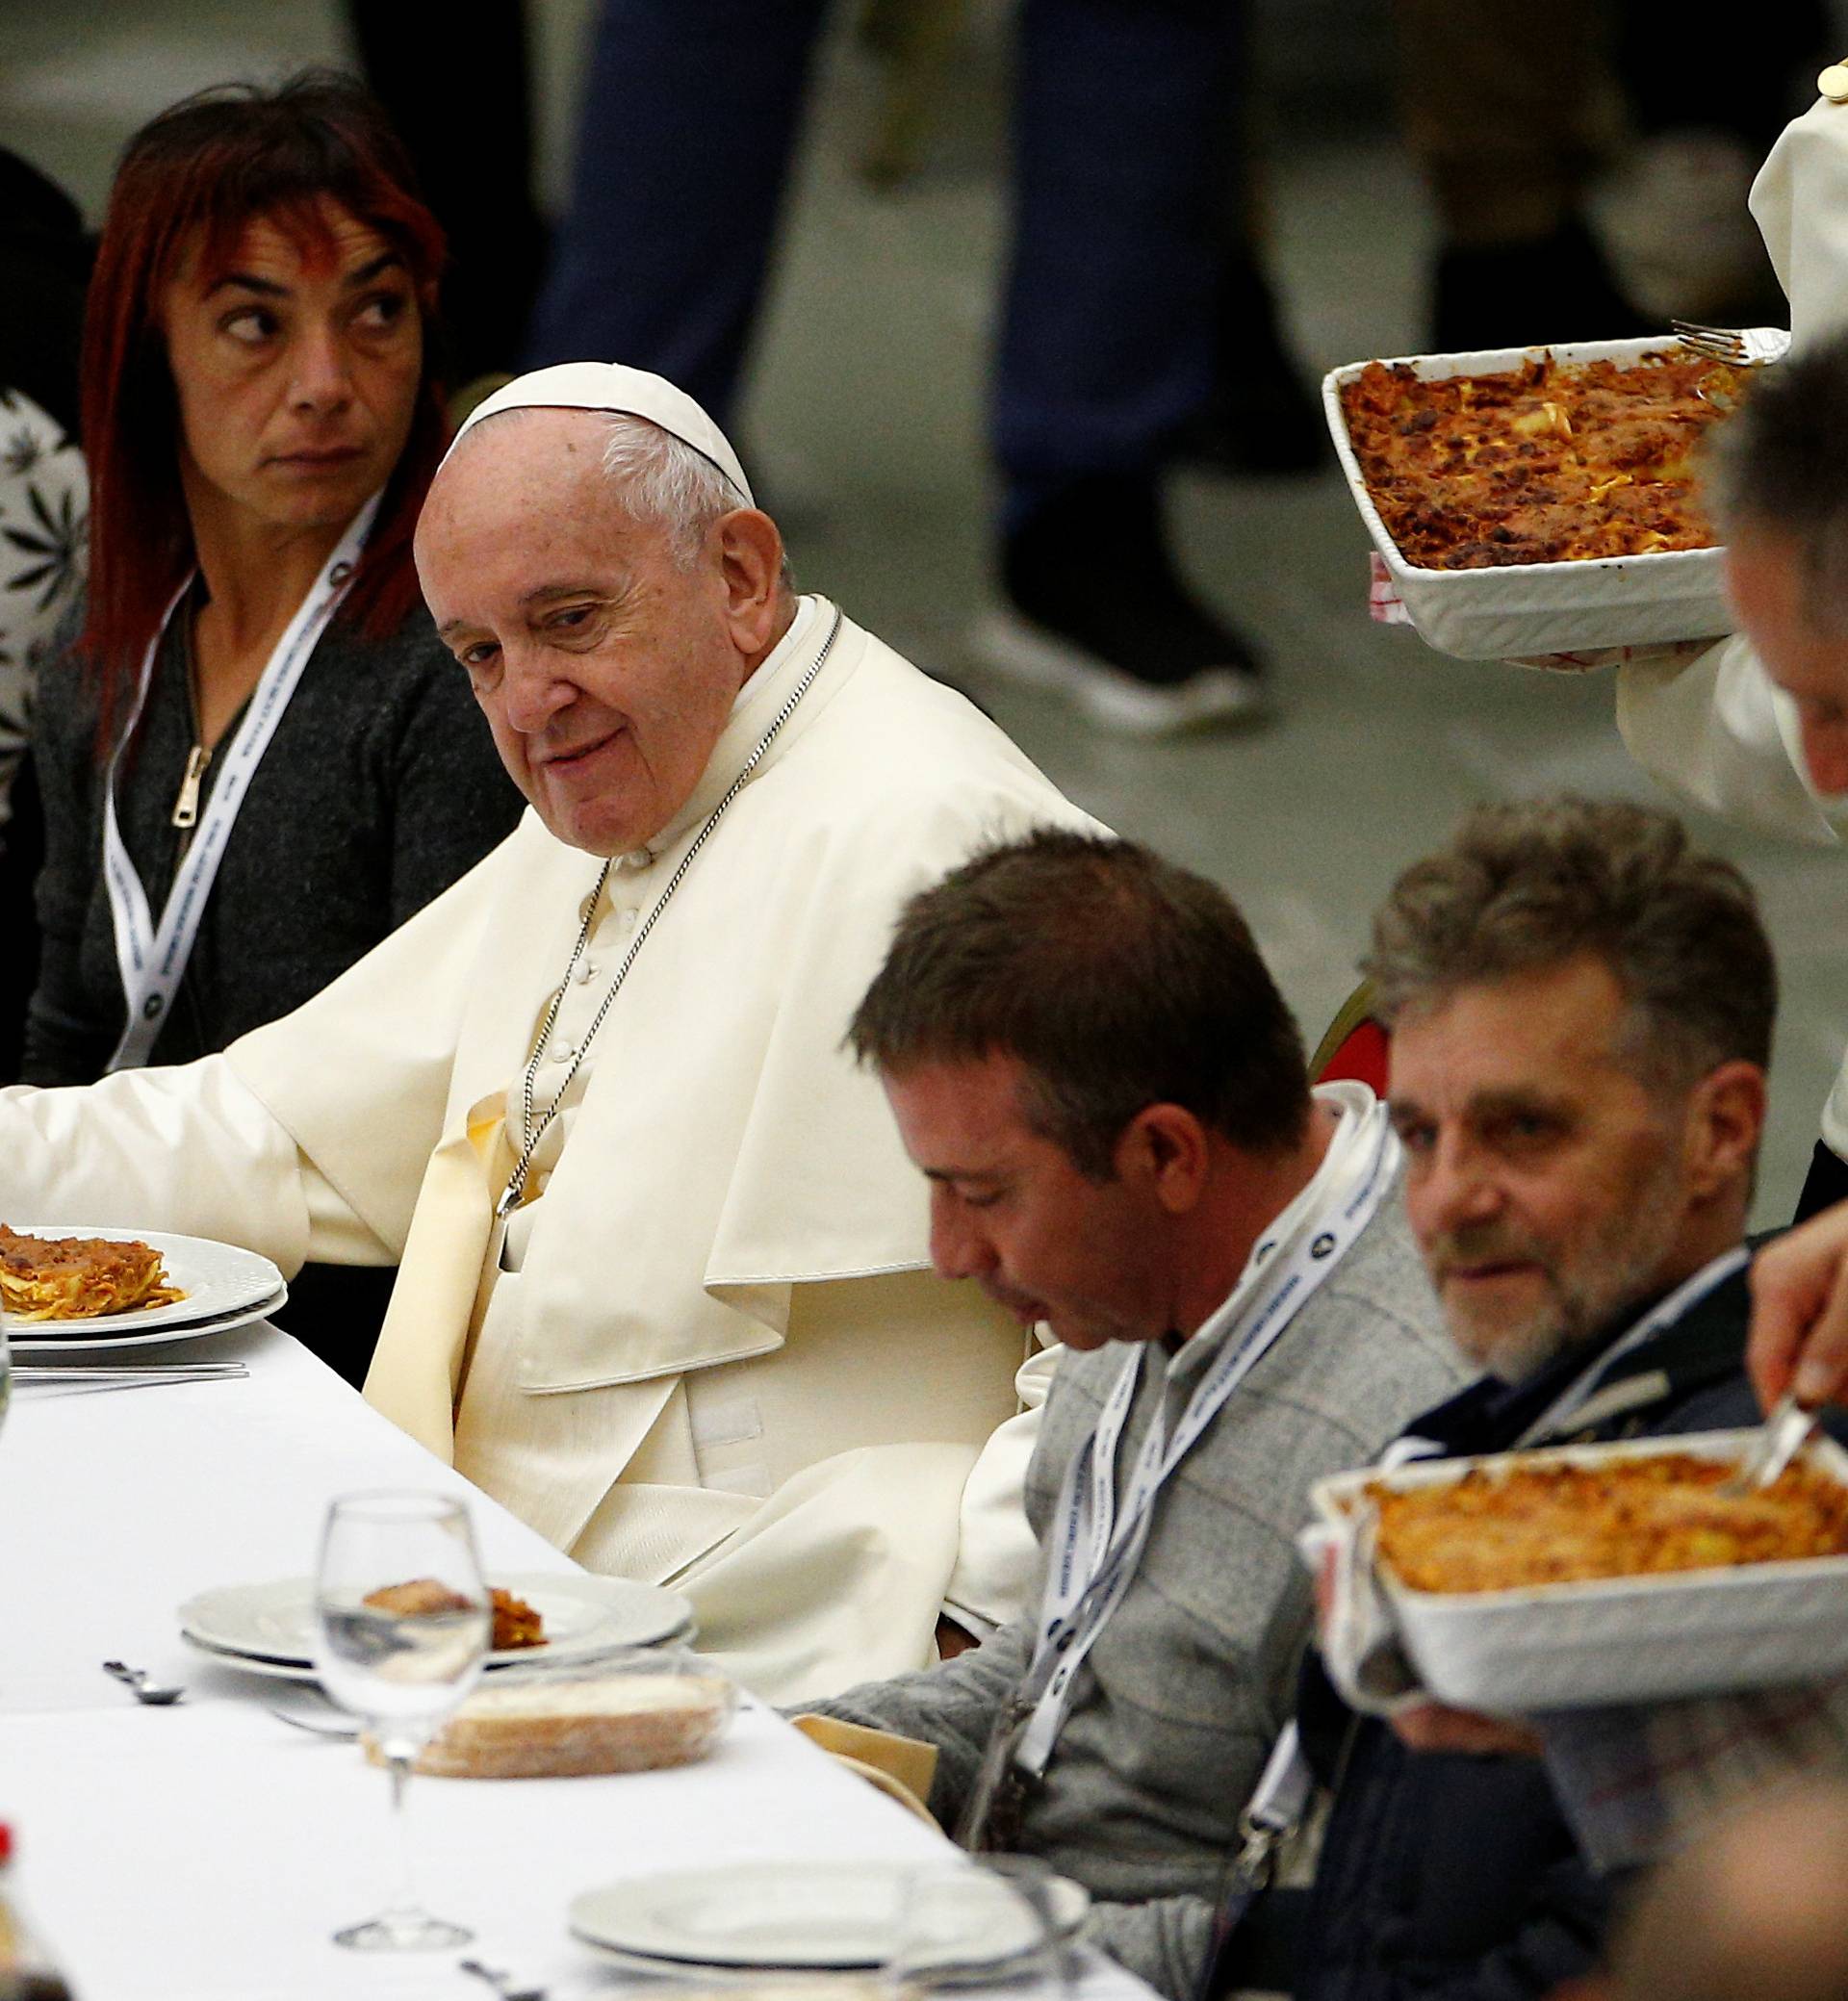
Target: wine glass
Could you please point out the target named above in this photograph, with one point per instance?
(401, 1626)
(990, 1921)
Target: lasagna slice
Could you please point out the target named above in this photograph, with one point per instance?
(78, 1278)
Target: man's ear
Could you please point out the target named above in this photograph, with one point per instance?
(750, 553)
(1725, 1123)
(1165, 1147)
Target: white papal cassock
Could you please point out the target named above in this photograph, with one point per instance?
(1715, 726)
(709, 1351)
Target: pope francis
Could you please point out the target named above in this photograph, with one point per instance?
(664, 1283)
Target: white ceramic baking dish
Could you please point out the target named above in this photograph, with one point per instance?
(1524, 609)
(1619, 1640)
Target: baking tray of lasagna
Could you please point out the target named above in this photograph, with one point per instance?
(1744, 1616)
(1463, 576)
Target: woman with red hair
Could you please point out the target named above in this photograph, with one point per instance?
(257, 758)
(256, 718)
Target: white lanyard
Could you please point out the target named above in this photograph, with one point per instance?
(1557, 1414)
(1095, 1554)
(153, 963)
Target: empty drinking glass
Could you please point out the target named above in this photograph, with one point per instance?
(401, 1626)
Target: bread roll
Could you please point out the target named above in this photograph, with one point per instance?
(553, 1728)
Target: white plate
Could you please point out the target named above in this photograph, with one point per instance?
(810, 1916)
(498, 1664)
(583, 1616)
(216, 1279)
(1538, 609)
(28, 1343)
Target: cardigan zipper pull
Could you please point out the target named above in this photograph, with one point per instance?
(186, 807)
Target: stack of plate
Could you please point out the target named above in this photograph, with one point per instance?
(802, 1918)
(224, 1286)
(269, 1629)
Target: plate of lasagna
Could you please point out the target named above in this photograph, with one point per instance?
(1575, 1577)
(66, 1286)
(538, 1618)
(1534, 500)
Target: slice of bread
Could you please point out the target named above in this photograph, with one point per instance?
(551, 1727)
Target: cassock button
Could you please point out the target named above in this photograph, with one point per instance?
(563, 1052)
(637, 859)
(586, 971)
(1833, 83)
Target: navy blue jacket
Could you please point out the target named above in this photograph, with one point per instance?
(1446, 1877)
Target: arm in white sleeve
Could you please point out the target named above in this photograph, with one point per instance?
(306, 1139)
(1800, 203)
(997, 1562)
(188, 1149)
(1713, 726)
(1718, 731)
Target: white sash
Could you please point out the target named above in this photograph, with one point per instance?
(153, 963)
(1095, 1554)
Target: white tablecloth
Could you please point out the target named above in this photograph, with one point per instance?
(208, 1851)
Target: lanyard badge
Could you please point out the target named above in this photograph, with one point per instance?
(152, 961)
(1097, 1544)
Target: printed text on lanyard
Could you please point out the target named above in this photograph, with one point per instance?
(153, 962)
(1095, 1554)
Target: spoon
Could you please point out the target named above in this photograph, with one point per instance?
(145, 1691)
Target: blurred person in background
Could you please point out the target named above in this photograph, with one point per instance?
(45, 265)
(481, 195)
(1589, 169)
(257, 758)
(1753, 727)
(1112, 297)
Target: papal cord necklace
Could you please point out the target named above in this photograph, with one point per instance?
(514, 1193)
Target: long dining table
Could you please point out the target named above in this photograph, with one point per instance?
(209, 1850)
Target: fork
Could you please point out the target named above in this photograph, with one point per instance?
(503, 1983)
(1741, 347)
(1779, 1439)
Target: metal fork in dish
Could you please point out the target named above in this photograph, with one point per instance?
(1739, 346)
(1779, 1439)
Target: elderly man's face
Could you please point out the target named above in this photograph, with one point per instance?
(606, 670)
(1546, 1184)
(1010, 1211)
(1773, 599)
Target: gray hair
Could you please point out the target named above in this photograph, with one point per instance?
(663, 481)
(1525, 887)
(1776, 467)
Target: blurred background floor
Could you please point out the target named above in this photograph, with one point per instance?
(866, 416)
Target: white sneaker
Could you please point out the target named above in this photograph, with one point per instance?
(1019, 650)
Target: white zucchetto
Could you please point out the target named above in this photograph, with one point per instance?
(607, 385)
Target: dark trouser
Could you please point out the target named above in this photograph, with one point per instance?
(1826, 1183)
(459, 99)
(1125, 114)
